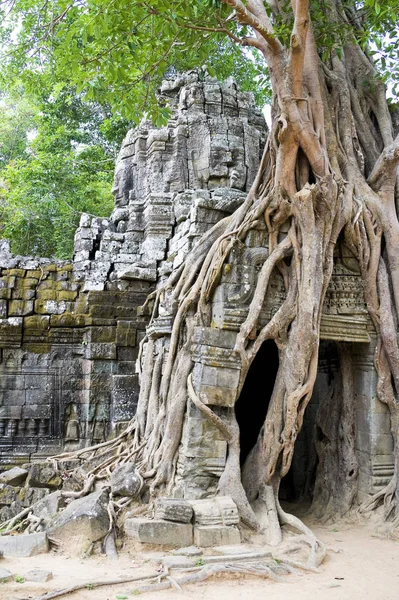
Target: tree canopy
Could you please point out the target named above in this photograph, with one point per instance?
(57, 160)
(74, 78)
(116, 52)
(327, 178)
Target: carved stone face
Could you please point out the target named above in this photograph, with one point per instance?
(227, 168)
(209, 143)
(122, 183)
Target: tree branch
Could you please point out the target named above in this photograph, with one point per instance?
(384, 171)
(246, 17)
(247, 41)
(298, 43)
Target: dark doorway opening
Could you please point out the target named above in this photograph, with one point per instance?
(298, 484)
(251, 407)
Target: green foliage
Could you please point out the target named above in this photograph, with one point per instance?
(58, 165)
(84, 69)
(116, 52)
(379, 33)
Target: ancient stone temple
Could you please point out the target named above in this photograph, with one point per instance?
(74, 336)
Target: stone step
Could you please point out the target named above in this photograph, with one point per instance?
(156, 531)
(24, 545)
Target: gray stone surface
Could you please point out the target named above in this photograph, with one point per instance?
(8, 494)
(125, 481)
(189, 551)
(38, 575)
(48, 507)
(236, 549)
(5, 575)
(14, 477)
(27, 496)
(24, 545)
(179, 562)
(43, 475)
(206, 536)
(156, 531)
(83, 522)
(220, 510)
(172, 509)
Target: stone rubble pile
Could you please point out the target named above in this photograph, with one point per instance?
(204, 523)
(77, 524)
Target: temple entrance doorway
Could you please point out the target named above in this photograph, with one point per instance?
(253, 402)
(320, 428)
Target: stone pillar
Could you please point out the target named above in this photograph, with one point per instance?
(202, 454)
(374, 442)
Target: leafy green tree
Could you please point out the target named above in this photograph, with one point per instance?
(329, 173)
(117, 52)
(56, 160)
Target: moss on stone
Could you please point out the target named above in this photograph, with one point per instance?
(69, 319)
(66, 295)
(36, 322)
(14, 272)
(47, 295)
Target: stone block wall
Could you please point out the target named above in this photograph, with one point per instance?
(67, 356)
(70, 332)
(374, 441)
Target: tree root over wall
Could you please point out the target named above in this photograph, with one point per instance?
(328, 170)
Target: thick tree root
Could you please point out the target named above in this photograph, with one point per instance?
(385, 497)
(317, 549)
(89, 585)
(240, 564)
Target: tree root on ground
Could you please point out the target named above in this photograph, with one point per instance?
(385, 497)
(257, 564)
(89, 585)
(317, 549)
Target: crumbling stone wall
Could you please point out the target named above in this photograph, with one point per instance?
(67, 357)
(70, 332)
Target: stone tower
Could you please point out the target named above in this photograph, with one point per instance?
(70, 332)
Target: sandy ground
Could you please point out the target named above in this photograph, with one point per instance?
(362, 567)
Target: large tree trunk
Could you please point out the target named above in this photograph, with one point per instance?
(329, 167)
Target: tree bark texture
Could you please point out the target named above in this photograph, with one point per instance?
(329, 169)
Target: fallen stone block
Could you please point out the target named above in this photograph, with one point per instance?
(7, 495)
(38, 575)
(83, 522)
(7, 512)
(48, 507)
(172, 509)
(235, 549)
(125, 481)
(24, 545)
(180, 562)
(28, 496)
(189, 551)
(14, 477)
(43, 475)
(220, 510)
(206, 536)
(159, 532)
(5, 575)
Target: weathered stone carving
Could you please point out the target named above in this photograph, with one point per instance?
(70, 332)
